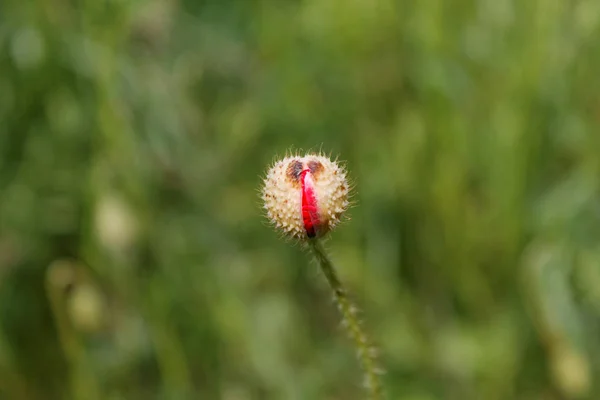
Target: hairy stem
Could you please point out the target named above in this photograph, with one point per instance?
(366, 352)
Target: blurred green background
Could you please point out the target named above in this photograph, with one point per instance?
(135, 262)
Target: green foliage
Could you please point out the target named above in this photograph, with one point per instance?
(134, 259)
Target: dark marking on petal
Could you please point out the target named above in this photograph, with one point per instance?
(294, 170)
(315, 167)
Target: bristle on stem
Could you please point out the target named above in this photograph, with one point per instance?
(366, 353)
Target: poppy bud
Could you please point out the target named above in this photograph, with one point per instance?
(305, 197)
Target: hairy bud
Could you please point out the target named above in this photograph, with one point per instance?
(305, 197)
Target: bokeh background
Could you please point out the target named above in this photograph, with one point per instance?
(135, 262)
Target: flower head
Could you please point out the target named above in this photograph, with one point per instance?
(305, 197)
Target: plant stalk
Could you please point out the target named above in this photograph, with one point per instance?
(366, 353)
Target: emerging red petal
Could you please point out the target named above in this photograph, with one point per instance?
(310, 215)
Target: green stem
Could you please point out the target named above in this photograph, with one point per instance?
(366, 352)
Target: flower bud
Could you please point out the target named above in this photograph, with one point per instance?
(305, 197)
